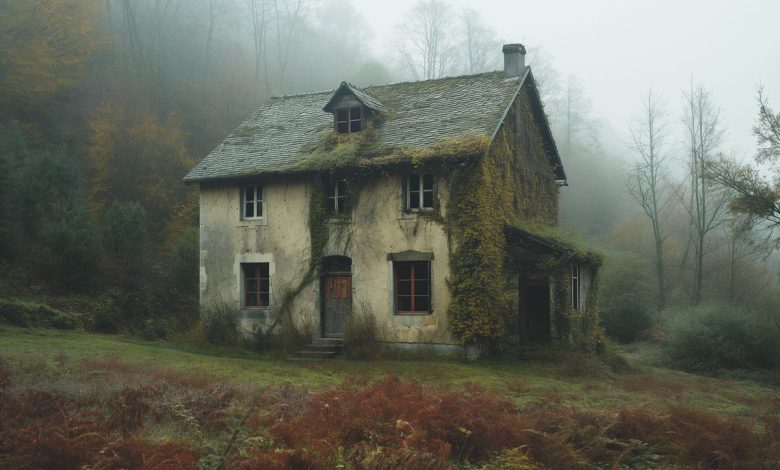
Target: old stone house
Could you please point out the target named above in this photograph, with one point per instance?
(431, 205)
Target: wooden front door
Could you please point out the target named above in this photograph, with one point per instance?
(336, 303)
(535, 315)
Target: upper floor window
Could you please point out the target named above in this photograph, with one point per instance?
(336, 202)
(349, 120)
(419, 192)
(252, 202)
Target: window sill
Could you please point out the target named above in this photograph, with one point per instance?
(253, 222)
(413, 314)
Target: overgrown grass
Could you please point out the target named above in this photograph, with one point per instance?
(158, 405)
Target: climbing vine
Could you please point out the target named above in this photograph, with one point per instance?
(492, 184)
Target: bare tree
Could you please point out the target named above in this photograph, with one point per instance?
(425, 48)
(480, 44)
(707, 201)
(767, 130)
(647, 182)
(573, 113)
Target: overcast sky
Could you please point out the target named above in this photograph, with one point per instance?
(620, 48)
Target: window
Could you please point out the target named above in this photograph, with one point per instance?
(349, 120)
(575, 287)
(337, 198)
(253, 202)
(412, 286)
(257, 285)
(419, 192)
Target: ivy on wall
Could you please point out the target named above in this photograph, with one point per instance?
(492, 184)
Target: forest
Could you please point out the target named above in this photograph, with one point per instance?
(106, 105)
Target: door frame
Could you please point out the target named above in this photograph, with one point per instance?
(522, 309)
(330, 271)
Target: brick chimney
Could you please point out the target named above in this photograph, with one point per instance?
(514, 60)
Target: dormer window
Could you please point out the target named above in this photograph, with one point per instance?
(349, 120)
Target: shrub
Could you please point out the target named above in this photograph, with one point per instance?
(69, 237)
(360, 332)
(294, 333)
(721, 336)
(218, 324)
(124, 232)
(627, 297)
(185, 261)
(23, 313)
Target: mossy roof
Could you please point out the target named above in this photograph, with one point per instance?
(418, 115)
(521, 238)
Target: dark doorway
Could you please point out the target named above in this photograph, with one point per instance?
(535, 312)
(336, 289)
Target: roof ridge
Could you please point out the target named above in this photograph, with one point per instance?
(366, 88)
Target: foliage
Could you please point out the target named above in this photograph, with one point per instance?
(627, 299)
(361, 152)
(46, 45)
(24, 313)
(504, 185)
(218, 324)
(720, 336)
(360, 339)
(404, 425)
(185, 261)
(69, 237)
(125, 231)
(135, 155)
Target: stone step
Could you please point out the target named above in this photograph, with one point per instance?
(319, 349)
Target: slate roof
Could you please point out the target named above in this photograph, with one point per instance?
(418, 114)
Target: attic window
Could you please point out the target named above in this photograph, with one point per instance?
(349, 120)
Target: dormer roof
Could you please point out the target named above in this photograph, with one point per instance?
(358, 93)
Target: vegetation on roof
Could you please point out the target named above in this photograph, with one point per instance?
(362, 151)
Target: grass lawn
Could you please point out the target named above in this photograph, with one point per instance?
(100, 369)
(47, 352)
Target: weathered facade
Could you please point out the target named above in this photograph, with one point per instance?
(423, 203)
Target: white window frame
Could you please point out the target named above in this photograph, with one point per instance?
(421, 189)
(257, 201)
(335, 195)
(576, 279)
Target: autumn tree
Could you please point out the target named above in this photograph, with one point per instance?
(647, 181)
(46, 45)
(754, 195)
(135, 155)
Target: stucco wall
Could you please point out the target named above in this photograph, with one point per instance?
(378, 227)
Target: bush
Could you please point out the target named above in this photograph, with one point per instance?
(69, 237)
(627, 298)
(23, 313)
(721, 336)
(185, 261)
(218, 324)
(124, 232)
(360, 333)
(293, 334)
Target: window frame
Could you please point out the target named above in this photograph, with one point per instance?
(350, 120)
(257, 201)
(576, 280)
(421, 192)
(337, 201)
(397, 265)
(257, 292)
